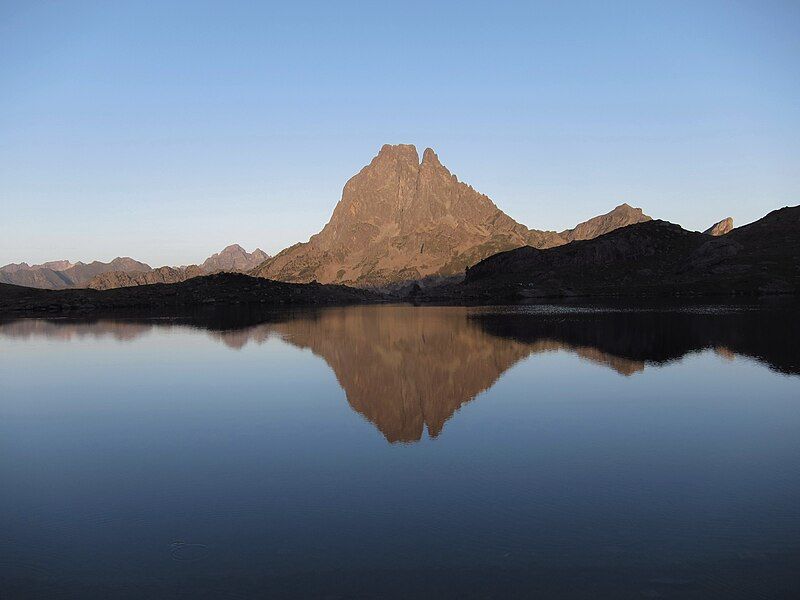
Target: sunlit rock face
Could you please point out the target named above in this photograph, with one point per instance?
(401, 219)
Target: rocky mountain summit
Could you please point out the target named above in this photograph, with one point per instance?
(234, 259)
(721, 227)
(622, 216)
(401, 219)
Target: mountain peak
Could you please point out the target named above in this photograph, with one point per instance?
(620, 216)
(429, 158)
(404, 152)
(124, 263)
(400, 220)
(233, 258)
(625, 209)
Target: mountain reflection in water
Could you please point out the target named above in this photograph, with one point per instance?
(407, 369)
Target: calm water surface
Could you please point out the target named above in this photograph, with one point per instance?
(403, 452)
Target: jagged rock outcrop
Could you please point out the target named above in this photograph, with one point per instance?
(399, 219)
(402, 220)
(721, 227)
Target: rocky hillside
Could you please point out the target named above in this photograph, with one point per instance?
(651, 258)
(401, 219)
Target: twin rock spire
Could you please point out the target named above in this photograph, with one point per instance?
(401, 219)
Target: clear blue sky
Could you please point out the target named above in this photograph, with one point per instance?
(165, 131)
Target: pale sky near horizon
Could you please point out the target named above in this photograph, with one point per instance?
(165, 131)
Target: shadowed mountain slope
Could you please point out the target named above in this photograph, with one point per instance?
(650, 258)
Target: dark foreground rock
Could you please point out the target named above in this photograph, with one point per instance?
(223, 289)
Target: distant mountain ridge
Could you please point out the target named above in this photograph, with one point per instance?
(124, 271)
(62, 274)
(55, 265)
(232, 259)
